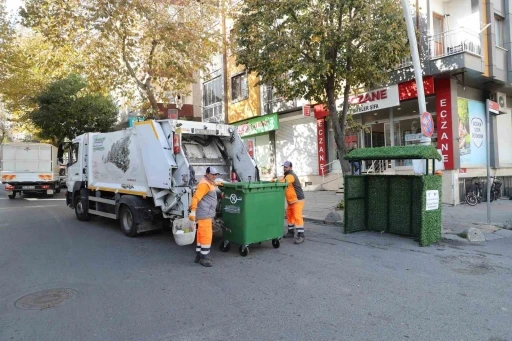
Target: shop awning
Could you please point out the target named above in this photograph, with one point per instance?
(394, 153)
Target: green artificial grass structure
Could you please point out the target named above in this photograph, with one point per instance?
(408, 205)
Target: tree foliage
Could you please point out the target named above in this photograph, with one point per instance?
(27, 65)
(154, 46)
(321, 50)
(66, 110)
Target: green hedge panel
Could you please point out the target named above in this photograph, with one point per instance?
(400, 205)
(378, 201)
(393, 203)
(432, 220)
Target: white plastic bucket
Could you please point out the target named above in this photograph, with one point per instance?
(179, 231)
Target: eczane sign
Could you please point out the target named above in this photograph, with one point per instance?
(375, 100)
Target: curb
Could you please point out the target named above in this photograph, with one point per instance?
(322, 221)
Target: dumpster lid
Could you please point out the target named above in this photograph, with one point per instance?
(394, 153)
(254, 184)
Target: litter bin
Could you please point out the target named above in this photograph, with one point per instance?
(252, 212)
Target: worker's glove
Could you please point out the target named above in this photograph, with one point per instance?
(273, 180)
(192, 216)
(219, 182)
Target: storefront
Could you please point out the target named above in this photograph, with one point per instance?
(297, 141)
(258, 135)
(389, 117)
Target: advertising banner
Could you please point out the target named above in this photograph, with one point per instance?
(472, 134)
(258, 125)
(322, 155)
(445, 138)
(375, 100)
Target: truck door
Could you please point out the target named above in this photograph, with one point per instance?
(75, 164)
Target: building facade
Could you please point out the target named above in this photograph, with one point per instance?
(465, 54)
(273, 130)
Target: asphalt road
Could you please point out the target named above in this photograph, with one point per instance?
(363, 286)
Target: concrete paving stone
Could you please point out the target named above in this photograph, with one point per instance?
(493, 236)
(504, 233)
(473, 235)
(450, 236)
(332, 217)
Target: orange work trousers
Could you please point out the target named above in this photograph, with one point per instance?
(204, 236)
(294, 213)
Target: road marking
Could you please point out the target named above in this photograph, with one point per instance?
(10, 208)
(34, 199)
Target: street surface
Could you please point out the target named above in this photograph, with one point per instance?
(363, 286)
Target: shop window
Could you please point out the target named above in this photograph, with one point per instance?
(239, 87)
(499, 30)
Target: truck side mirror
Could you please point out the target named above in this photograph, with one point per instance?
(60, 153)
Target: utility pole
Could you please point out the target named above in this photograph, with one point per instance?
(418, 72)
(224, 62)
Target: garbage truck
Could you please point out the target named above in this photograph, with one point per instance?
(29, 168)
(146, 174)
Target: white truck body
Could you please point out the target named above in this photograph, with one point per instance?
(151, 169)
(29, 167)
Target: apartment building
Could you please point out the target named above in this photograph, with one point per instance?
(465, 54)
(273, 129)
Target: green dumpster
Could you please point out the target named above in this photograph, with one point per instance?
(252, 212)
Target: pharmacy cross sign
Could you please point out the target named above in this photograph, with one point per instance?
(427, 124)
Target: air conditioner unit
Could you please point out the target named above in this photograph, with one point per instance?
(501, 99)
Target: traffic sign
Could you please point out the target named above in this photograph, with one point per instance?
(427, 124)
(306, 110)
(494, 107)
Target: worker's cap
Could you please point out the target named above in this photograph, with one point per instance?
(212, 170)
(287, 164)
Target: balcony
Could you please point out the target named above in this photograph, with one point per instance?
(278, 105)
(453, 42)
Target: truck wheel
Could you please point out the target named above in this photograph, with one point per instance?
(12, 196)
(82, 209)
(127, 220)
(57, 187)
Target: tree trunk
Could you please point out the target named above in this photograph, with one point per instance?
(152, 100)
(338, 123)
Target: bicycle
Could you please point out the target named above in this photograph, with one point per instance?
(474, 193)
(495, 188)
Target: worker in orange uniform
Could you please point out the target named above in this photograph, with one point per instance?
(295, 200)
(202, 210)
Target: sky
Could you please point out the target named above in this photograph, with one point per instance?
(13, 5)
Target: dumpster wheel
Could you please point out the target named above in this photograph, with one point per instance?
(243, 250)
(276, 243)
(225, 245)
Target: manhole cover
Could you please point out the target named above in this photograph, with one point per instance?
(44, 299)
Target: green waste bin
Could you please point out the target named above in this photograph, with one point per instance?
(252, 212)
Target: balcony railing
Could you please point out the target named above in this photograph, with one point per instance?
(405, 62)
(277, 105)
(453, 42)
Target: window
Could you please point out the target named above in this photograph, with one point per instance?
(438, 21)
(212, 99)
(74, 153)
(475, 6)
(239, 90)
(499, 28)
(272, 102)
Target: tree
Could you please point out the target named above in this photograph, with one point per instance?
(154, 46)
(65, 110)
(321, 50)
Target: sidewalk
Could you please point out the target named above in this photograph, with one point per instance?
(455, 218)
